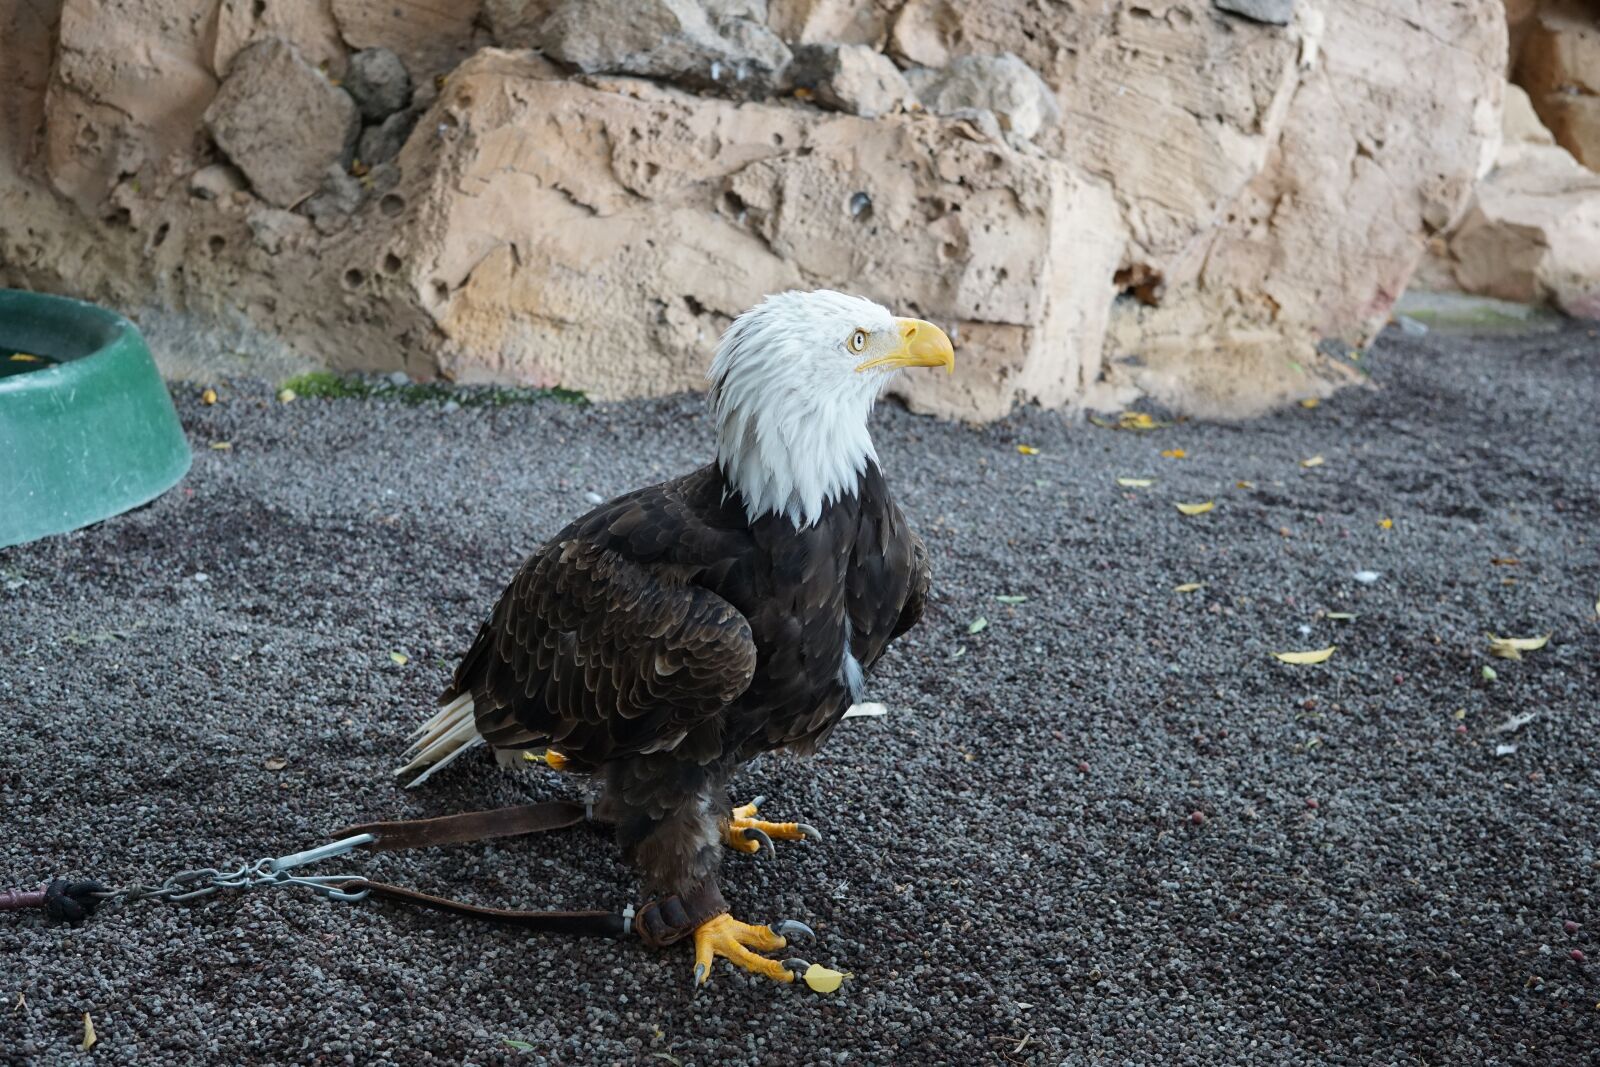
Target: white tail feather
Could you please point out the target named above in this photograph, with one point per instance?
(434, 744)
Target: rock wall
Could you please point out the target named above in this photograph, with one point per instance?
(1208, 202)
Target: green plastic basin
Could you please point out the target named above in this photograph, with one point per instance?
(87, 429)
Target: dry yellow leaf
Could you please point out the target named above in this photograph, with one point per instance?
(1314, 656)
(1242, 484)
(222, 446)
(1174, 453)
(1310, 402)
(1387, 524)
(1505, 561)
(1196, 509)
(1136, 420)
(1514, 647)
(1189, 587)
(89, 1037)
(275, 763)
(1136, 483)
(1027, 450)
(24, 357)
(1314, 461)
(208, 396)
(286, 395)
(1339, 616)
(824, 979)
(400, 658)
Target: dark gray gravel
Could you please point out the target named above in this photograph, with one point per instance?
(1108, 828)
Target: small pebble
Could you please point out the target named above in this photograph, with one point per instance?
(1570, 927)
(1577, 955)
(1197, 817)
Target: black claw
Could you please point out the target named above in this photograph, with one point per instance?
(758, 801)
(809, 831)
(753, 834)
(797, 965)
(699, 975)
(792, 928)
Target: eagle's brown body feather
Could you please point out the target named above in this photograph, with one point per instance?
(663, 639)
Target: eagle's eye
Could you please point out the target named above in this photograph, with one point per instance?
(858, 341)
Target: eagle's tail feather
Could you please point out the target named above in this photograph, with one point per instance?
(452, 731)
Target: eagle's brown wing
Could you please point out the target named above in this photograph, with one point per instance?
(603, 647)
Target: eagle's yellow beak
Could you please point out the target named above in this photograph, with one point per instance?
(922, 344)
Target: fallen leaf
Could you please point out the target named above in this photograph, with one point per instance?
(978, 625)
(1174, 453)
(1310, 402)
(1316, 656)
(208, 396)
(803, 94)
(669, 1057)
(1516, 722)
(1387, 524)
(824, 979)
(858, 711)
(1506, 561)
(1012, 599)
(1514, 647)
(1189, 587)
(1489, 673)
(1136, 420)
(513, 1043)
(24, 357)
(1366, 577)
(286, 395)
(1314, 461)
(1241, 484)
(1196, 509)
(400, 658)
(275, 763)
(1136, 483)
(1339, 616)
(222, 446)
(89, 1037)
(961, 650)
(1027, 450)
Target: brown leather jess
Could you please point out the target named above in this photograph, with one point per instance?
(658, 922)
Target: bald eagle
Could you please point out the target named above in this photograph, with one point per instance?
(680, 630)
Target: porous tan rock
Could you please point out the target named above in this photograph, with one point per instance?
(281, 122)
(1559, 65)
(1003, 85)
(1532, 233)
(676, 40)
(1260, 193)
(115, 113)
(863, 22)
(851, 77)
(613, 265)
(429, 36)
(307, 24)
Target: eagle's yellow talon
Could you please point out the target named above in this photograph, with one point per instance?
(733, 940)
(549, 757)
(746, 833)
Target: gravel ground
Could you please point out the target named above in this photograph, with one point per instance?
(1106, 828)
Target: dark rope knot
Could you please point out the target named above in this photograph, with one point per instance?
(72, 901)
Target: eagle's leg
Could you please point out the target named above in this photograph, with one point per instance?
(746, 833)
(668, 819)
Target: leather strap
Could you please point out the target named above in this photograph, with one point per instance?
(469, 826)
(668, 920)
(590, 923)
(660, 922)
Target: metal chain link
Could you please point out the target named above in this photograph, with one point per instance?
(268, 871)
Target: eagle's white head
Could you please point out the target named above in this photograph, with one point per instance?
(793, 382)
